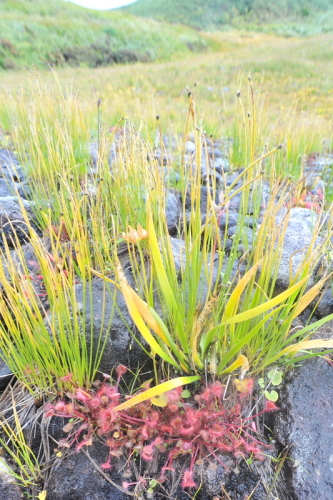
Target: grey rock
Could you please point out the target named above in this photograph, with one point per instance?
(171, 175)
(24, 190)
(212, 475)
(221, 165)
(305, 425)
(214, 153)
(325, 304)
(169, 142)
(189, 147)
(162, 158)
(297, 240)
(5, 376)
(10, 208)
(9, 490)
(230, 219)
(179, 255)
(12, 222)
(210, 176)
(7, 188)
(246, 484)
(105, 314)
(10, 167)
(245, 233)
(95, 156)
(76, 478)
(173, 211)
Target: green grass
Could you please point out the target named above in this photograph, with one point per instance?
(50, 125)
(299, 17)
(61, 33)
(50, 119)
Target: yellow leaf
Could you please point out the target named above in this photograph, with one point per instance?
(156, 391)
(233, 301)
(244, 385)
(59, 454)
(240, 361)
(161, 400)
(305, 345)
(252, 313)
(42, 495)
(148, 317)
(128, 294)
(309, 296)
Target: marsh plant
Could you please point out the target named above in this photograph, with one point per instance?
(213, 314)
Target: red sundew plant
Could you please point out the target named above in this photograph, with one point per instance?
(313, 200)
(203, 427)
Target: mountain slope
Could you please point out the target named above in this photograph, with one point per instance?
(216, 14)
(40, 32)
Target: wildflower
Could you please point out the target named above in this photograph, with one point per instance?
(135, 235)
(67, 378)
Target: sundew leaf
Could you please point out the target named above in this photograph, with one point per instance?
(156, 391)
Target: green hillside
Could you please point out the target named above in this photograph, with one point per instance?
(42, 32)
(285, 16)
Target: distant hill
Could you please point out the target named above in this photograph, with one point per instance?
(40, 32)
(217, 14)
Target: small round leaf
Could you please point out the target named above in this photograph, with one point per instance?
(272, 396)
(261, 383)
(186, 394)
(275, 376)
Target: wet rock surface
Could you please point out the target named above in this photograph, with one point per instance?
(173, 211)
(5, 375)
(245, 484)
(76, 478)
(304, 424)
(325, 304)
(10, 167)
(12, 223)
(298, 237)
(106, 316)
(8, 489)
